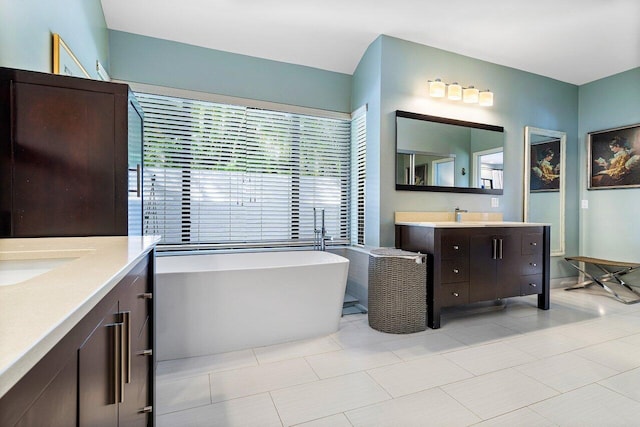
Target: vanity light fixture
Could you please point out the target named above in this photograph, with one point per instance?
(456, 92)
(470, 95)
(485, 98)
(437, 88)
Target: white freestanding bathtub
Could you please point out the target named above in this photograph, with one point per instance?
(210, 304)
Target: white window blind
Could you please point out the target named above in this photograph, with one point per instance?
(221, 175)
(358, 174)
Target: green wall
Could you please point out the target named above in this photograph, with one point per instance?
(149, 60)
(26, 27)
(521, 99)
(608, 228)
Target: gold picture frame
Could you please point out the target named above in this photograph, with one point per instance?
(64, 61)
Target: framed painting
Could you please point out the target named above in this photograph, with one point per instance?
(613, 158)
(64, 61)
(544, 170)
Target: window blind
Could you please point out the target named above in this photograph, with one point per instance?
(220, 175)
(358, 174)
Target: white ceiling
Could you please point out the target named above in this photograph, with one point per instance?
(575, 41)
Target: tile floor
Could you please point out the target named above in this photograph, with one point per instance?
(577, 364)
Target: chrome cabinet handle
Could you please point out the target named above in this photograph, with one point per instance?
(495, 249)
(146, 410)
(533, 244)
(533, 285)
(500, 248)
(146, 295)
(117, 360)
(455, 294)
(126, 351)
(456, 247)
(455, 270)
(148, 352)
(533, 264)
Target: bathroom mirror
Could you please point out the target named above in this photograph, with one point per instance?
(544, 181)
(439, 154)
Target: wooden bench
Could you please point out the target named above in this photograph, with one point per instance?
(609, 271)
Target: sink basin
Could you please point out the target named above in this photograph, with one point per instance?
(14, 271)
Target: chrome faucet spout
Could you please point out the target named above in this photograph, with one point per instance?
(458, 212)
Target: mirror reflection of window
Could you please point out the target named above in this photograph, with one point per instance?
(490, 169)
(444, 172)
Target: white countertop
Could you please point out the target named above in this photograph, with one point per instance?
(471, 224)
(38, 312)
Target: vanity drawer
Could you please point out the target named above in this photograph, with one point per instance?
(454, 270)
(531, 284)
(454, 294)
(454, 246)
(531, 265)
(532, 243)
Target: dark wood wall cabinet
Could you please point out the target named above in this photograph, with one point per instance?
(100, 373)
(472, 264)
(70, 156)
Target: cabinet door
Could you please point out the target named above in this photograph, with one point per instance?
(135, 307)
(509, 263)
(98, 374)
(63, 146)
(482, 267)
(56, 405)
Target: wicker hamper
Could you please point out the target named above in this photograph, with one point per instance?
(397, 291)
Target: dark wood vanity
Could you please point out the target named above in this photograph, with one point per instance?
(469, 264)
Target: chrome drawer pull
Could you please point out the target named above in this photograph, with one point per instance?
(456, 247)
(455, 294)
(533, 284)
(146, 295)
(146, 352)
(455, 270)
(533, 244)
(146, 410)
(533, 264)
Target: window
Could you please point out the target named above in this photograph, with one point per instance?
(358, 174)
(220, 175)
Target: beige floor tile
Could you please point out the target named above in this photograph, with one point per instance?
(417, 375)
(351, 360)
(524, 417)
(320, 399)
(292, 350)
(338, 420)
(414, 347)
(488, 358)
(182, 368)
(259, 379)
(431, 407)
(616, 354)
(499, 392)
(545, 344)
(252, 411)
(627, 383)
(179, 394)
(566, 372)
(593, 405)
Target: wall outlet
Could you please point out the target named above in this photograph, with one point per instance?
(585, 204)
(495, 202)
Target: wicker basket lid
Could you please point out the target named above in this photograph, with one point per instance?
(393, 252)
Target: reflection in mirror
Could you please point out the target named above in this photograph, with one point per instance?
(438, 154)
(544, 182)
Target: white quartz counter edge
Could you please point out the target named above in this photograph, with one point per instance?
(473, 224)
(37, 313)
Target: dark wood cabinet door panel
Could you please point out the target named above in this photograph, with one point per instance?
(63, 161)
(532, 284)
(454, 294)
(454, 244)
(532, 243)
(57, 405)
(98, 378)
(455, 270)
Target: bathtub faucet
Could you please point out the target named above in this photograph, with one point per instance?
(319, 234)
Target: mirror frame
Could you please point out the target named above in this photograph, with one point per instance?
(528, 131)
(427, 118)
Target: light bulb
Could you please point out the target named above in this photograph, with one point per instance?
(470, 95)
(455, 92)
(486, 98)
(437, 88)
